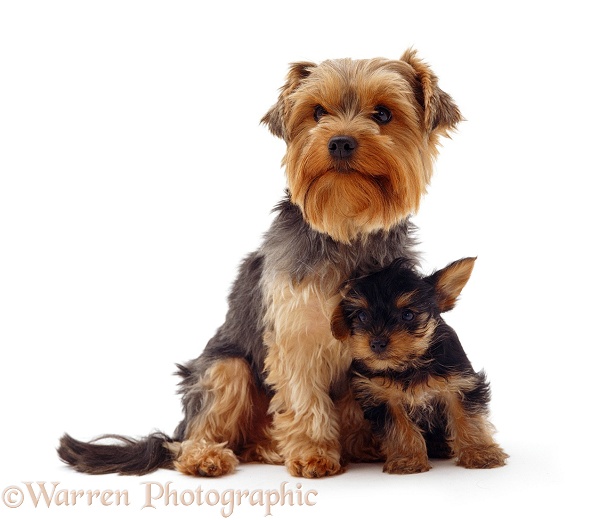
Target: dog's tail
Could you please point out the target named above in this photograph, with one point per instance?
(126, 456)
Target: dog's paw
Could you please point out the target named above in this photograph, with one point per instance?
(314, 467)
(206, 460)
(406, 465)
(489, 456)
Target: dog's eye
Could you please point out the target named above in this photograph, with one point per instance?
(407, 315)
(319, 111)
(381, 115)
(363, 317)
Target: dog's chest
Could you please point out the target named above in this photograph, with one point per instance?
(297, 323)
(416, 398)
(299, 309)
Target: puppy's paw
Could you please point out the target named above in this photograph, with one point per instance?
(206, 459)
(314, 467)
(406, 465)
(488, 456)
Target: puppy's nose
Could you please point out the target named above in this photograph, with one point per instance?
(342, 146)
(378, 345)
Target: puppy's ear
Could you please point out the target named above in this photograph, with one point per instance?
(450, 281)
(441, 113)
(277, 115)
(338, 325)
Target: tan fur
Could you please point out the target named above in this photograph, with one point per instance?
(404, 348)
(303, 361)
(350, 209)
(376, 188)
(233, 421)
(338, 324)
(206, 459)
(384, 184)
(358, 444)
(471, 437)
(452, 280)
(404, 448)
(385, 180)
(404, 300)
(440, 111)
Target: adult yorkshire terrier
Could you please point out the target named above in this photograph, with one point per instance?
(361, 138)
(410, 373)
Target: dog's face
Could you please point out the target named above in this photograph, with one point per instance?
(361, 138)
(388, 318)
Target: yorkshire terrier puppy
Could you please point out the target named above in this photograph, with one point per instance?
(410, 373)
(361, 139)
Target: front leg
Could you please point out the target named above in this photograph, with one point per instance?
(404, 445)
(471, 432)
(402, 442)
(305, 423)
(303, 361)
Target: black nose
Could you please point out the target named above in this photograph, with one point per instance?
(342, 146)
(378, 345)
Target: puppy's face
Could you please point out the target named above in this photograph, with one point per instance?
(388, 319)
(361, 139)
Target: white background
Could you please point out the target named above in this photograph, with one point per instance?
(134, 176)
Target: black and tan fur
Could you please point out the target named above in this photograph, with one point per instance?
(361, 140)
(410, 373)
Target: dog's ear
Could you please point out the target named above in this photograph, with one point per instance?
(450, 281)
(441, 113)
(277, 115)
(338, 325)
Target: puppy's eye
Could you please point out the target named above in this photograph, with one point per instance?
(381, 115)
(319, 111)
(363, 317)
(407, 315)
